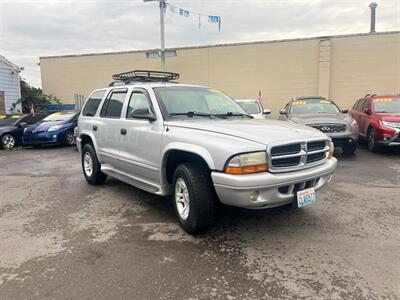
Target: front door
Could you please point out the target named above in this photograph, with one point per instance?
(140, 145)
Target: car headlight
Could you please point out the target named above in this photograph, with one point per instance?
(331, 149)
(391, 124)
(353, 123)
(247, 163)
(55, 127)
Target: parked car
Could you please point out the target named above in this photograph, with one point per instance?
(254, 108)
(324, 115)
(12, 126)
(378, 118)
(198, 145)
(57, 128)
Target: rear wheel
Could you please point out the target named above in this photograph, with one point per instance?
(91, 166)
(8, 141)
(371, 140)
(194, 197)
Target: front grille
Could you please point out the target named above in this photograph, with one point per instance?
(294, 156)
(329, 128)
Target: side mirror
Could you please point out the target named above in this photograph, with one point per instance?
(367, 111)
(282, 111)
(345, 110)
(22, 125)
(266, 111)
(142, 113)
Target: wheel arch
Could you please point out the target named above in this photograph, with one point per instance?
(177, 153)
(88, 137)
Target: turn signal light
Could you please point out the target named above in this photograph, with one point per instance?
(247, 169)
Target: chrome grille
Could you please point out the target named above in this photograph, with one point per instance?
(290, 157)
(329, 128)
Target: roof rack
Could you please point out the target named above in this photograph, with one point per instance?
(144, 76)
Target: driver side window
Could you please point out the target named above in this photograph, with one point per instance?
(138, 100)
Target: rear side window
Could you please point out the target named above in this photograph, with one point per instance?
(113, 105)
(92, 104)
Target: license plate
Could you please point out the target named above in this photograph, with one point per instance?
(306, 197)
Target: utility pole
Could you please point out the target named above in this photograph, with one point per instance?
(162, 33)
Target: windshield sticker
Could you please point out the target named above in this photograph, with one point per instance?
(298, 103)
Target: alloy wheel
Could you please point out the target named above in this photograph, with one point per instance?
(371, 139)
(88, 164)
(70, 138)
(8, 141)
(182, 199)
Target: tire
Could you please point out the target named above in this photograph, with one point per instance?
(199, 197)
(8, 141)
(371, 140)
(69, 138)
(349, 149)
(91, 167)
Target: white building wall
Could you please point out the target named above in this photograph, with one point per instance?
(10, 84)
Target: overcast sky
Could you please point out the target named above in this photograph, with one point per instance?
(30, 29)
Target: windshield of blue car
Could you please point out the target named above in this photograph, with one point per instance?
(251, 107)
(7, 120)
(387, 105)
(196, 101)
(59, 116)
(313, 106)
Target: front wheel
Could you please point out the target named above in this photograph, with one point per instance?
(349, 149)
(194, 197)
(371, 139)
(69, 138)
(91, 166)
(8, 141)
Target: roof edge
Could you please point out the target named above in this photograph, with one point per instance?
(225, 44)
(9, 63)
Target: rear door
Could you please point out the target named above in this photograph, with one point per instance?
(140, 145)
(107, 131)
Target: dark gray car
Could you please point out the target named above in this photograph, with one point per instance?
(323, 114)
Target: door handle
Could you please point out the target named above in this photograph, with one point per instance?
(94, 128)
(123, 131)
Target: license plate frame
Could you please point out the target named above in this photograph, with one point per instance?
(306, 197)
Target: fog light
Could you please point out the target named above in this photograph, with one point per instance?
(254, 195)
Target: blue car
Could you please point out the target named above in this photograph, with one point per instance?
(55, 129)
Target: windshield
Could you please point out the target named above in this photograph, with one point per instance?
(387, 105)
(184, 100)
(59, 116)
(313, 106)
(6, 120)
(251, 107)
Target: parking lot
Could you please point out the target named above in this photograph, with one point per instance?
(64, 239)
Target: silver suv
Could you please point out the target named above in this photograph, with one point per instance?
(198, 145)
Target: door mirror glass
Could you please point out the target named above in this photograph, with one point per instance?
(345, 110)
(142, 113)
(267, 111)
(282, 111)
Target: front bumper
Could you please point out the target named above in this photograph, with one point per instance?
(42, 138)
(344, 139)
(78, 142)
(273, 189)
(389, 141)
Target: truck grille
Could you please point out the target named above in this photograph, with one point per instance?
(329, 128)
(298, 155)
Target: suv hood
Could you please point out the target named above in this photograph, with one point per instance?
(321, 118)
(256, 130)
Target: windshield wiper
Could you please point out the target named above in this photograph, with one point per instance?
(191, 114)
(232, 114)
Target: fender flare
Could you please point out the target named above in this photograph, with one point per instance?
(91, 135)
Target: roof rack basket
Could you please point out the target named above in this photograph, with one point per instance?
(144, 76)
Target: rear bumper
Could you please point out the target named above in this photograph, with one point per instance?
(273, 189)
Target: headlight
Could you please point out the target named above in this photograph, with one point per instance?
(247, 163)
(55, 127)
(353, 123)
(331, 149)
(391, 124)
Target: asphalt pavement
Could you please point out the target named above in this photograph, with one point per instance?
(61, 238)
